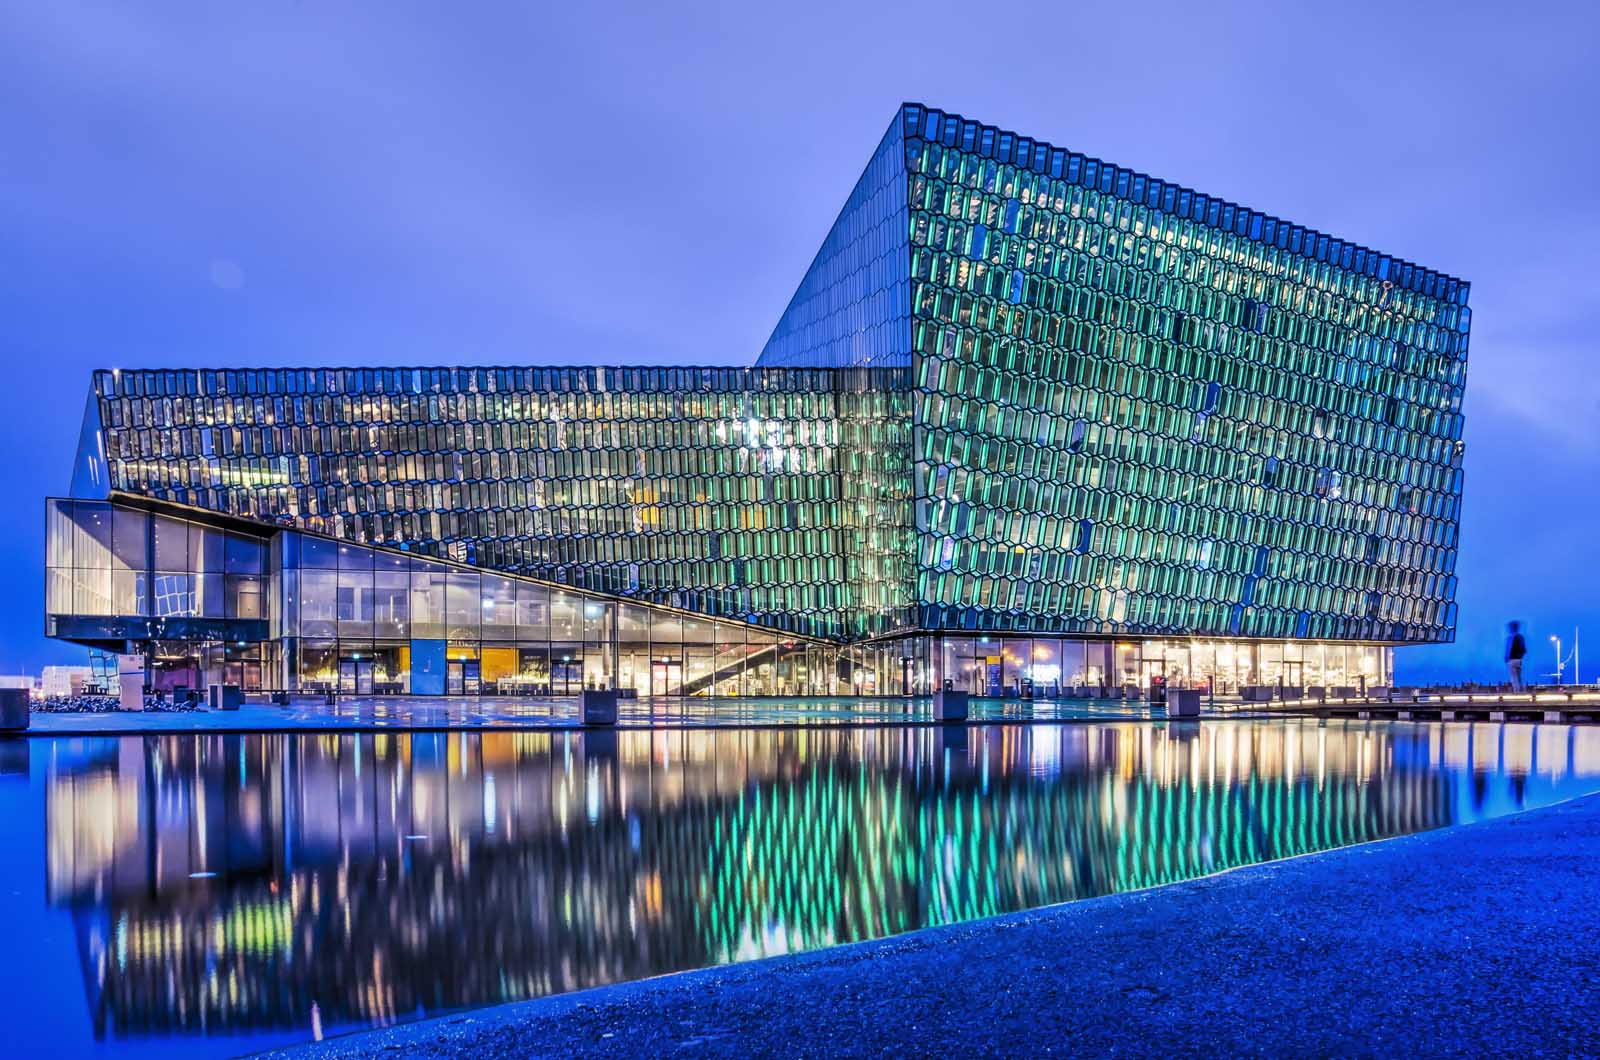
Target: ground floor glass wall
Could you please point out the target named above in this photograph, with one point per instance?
(670, 655)
(730, 662)
(344, 618)
(177, 666)
(364, 621)
(1049, 666)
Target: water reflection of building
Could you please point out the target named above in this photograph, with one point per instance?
(372, 877)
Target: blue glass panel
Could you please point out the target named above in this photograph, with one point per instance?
(428, 667)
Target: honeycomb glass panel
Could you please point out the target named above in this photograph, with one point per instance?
(1137, 367)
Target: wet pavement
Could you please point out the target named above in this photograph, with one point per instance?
(378, 713)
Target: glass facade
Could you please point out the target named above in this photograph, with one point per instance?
(852, 308)
(715, 490)
(298, 611)
(1020, 391)
(1050, 667)
(1144, 410)
(104, 561)
(378, 622)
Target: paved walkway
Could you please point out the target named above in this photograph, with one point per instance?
(1482, 940)
(434, 714)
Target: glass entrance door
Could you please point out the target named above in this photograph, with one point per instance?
(1152, 673)
(462, 678)
(666, 677)
(355, 676)
(566, 676)
(991, 676)
(247, 675)
(1178, 674)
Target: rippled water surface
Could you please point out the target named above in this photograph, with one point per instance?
(194, 895)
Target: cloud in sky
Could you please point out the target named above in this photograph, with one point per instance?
(513, 183)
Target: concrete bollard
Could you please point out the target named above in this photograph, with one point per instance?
(950, 706)
(226, 697)
(131, 690)
(599, 706)
(13, 709)
(1183, 703)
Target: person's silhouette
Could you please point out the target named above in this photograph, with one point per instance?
(1516, 649)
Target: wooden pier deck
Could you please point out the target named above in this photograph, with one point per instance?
(1578, 705)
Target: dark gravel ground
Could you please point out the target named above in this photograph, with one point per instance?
(94, 704)
(1482, 940)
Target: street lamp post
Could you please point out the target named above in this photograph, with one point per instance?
(1557, 641)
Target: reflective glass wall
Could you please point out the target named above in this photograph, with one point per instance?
(371, 622)
(307, 613)
(852, 306)
(301, 612)
(196, 594)
(1144, 410)
(110, 560)
(1045, 667)
(710, 489)
(878, 538)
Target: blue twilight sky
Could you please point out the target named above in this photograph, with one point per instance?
(334, 183)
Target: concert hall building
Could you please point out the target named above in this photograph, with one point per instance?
(1031, 423)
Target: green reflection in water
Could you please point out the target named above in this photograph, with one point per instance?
(361, 878)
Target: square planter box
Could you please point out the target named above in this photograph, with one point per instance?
(226, 697)
(949, 706)
(599, 706)
(13, 709)
(1183, 703)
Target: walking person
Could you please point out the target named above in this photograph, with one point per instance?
(1516, 649)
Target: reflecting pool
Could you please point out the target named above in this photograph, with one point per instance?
(210, 895)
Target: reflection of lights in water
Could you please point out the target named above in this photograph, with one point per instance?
(202, 875)
(1045, 754)
(753, 843)
(1322, 756)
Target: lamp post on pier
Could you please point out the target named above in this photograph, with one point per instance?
(1561, 661)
